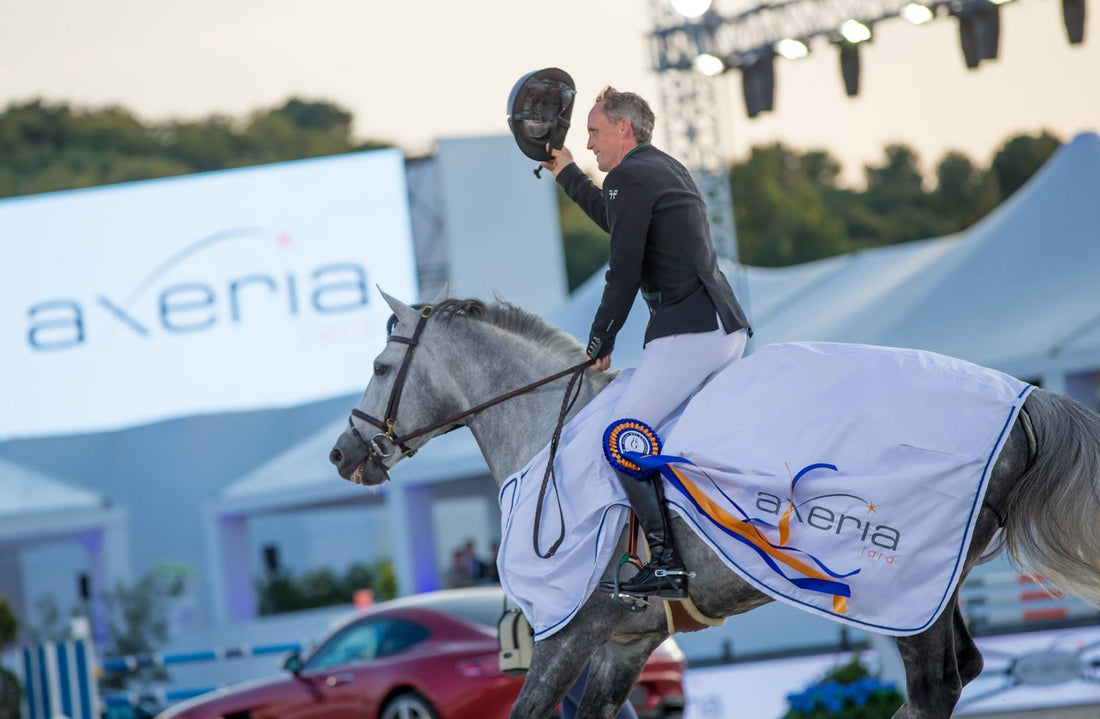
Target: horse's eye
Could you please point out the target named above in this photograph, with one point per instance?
(380, 369)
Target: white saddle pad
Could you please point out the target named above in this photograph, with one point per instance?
(842, 479)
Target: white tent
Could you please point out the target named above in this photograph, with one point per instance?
(36, 509)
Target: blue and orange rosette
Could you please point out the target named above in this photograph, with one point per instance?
(625, 437)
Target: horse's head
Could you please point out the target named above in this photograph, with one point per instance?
(403, 397)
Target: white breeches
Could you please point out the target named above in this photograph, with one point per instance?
(672, 368)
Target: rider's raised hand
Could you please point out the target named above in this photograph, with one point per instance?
(561, 159)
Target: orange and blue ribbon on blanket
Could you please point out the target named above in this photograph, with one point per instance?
(817, 578)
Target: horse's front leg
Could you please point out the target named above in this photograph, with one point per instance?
(615, 668)
(555, 665)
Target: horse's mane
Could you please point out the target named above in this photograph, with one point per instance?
(515, 320)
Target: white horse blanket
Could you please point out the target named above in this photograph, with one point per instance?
(842, 479)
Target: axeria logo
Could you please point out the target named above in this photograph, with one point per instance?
(156, 306)
(815, 513)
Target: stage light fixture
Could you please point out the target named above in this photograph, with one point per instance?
(849, 67)
(792, 49)
(979, 33)
(709, 65)
(1073, 13)
(758, 81)
(917, 14)
(854, 31)
(691, 8)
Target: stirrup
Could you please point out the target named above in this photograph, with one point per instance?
(673, 573)
(633, 602)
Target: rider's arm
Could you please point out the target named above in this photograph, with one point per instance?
(629, 209)
(585, 193)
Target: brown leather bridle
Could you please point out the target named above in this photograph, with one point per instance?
(388, 425)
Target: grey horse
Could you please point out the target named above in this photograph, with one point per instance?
(1044, 487)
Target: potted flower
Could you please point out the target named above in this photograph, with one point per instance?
(846, 692)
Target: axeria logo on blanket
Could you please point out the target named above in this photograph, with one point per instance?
(878, 541)
(204, 293)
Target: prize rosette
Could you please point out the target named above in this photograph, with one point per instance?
(629, 436)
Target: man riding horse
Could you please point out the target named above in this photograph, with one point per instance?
(661, 245)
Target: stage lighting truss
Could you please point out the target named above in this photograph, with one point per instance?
(734, 38)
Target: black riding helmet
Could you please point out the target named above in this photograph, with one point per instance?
(539, 109)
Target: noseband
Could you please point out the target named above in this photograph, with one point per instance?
(388, 426)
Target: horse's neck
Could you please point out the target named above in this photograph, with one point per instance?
(512, 432)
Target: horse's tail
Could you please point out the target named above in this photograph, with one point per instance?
(1053, 514)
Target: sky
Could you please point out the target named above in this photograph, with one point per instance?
(412, 72)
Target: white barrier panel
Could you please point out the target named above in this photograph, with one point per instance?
(59, 681)
(222, 291)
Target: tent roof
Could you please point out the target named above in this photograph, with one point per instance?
(36, 507)
(24, 491)
(303, 475)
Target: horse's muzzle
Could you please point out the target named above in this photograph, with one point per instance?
(356, 465)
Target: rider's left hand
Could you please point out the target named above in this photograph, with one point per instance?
(602, 363)
(560, 159)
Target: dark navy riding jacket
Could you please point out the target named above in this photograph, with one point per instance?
(660, 244)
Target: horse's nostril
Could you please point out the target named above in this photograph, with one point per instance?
(335, 457)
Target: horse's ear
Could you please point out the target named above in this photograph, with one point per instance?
(443, 294)
(405, 315)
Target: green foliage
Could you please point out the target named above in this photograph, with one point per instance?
(1020, 157)
(137, 620)
(584, 243)
(9, 623)
(10, 694)
(10, 690)
(780, 209)
(845, 692)
(790, 208)
(50, 626)
(282, 591)
(46, 147)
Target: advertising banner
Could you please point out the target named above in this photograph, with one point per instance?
(224, 291)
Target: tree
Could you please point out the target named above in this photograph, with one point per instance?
(1019, 158)
(47, 147)
(138, 623)
(584, 243)
(964, 192)
(779, 207)
(10, 690)
(901, 209)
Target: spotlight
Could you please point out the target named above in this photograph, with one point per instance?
(691, 8)
(792, 49)
(979, 33)
(1073, 12)
(854, 31)
(849, 67)
(758, 82)
(708, 64)
(917, 14)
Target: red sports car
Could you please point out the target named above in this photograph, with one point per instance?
(428, 656)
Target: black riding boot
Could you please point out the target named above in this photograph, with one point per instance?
(665, 574)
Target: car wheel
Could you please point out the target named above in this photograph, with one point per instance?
(408, 706)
